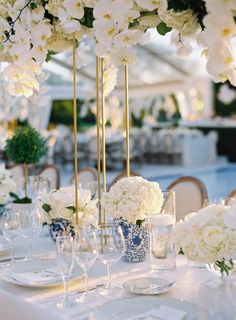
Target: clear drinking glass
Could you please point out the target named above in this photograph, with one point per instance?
(162, 253)
(30, 225)
(85, 255)
(65, 263)
(111, 247)
(10, 228)
(40, 185)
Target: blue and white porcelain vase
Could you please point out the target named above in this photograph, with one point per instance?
(137, 240)
(61, 227)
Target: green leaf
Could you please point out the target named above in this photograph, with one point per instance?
(49, 55)
(71, 208)
(88, 17)
(23, 200)
(1, 46)
(140, 222)
(33, 5)
(14, 195)
(181, 251)
(163, 29)
(46, 207)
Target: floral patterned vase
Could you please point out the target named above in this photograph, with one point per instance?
(61, 227)
(137, 240)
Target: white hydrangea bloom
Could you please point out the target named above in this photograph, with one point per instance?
(133, 199)
(208, 235)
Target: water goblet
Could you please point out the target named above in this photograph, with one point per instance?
(30, 225)
(111, 247)
(86, 255)
(10, 228)
(40, 185)
(65, 264)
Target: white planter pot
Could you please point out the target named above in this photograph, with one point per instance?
(22, 206)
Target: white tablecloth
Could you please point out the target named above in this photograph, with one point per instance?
(35, 304)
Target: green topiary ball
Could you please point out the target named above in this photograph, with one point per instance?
(26, 146)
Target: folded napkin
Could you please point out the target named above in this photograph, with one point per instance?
(37, 276)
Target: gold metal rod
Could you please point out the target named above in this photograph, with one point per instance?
(127, 121)
(103, 136)
(98, 142)
(75, 132)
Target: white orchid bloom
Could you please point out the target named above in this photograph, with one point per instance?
(219, 29)
(38, 14)
(126, 17)
(39, 52)
(101, 51)
(105, 32)
(74, 8)
(152, 4)
(41, 32)
(221, 63)
(220, 6)
(123, 56)
(127, 37)
(104, 11)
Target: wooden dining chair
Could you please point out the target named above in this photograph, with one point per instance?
(53, 173)
(190, 195)
(123, 175)
(88, 174)
(231, 198)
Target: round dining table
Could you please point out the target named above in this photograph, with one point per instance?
(28, 303)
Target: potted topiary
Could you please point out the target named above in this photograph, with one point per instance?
(25, 147)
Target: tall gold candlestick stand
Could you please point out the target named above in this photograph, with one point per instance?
(98, 141)
(127, 121)
(75, 132)
(103, 136)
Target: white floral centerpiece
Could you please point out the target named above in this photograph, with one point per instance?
(59, 209)
(209, 236)
(7, 184)
(130, 201)
(133, 199)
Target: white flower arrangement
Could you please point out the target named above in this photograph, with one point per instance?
(32, 30)
(7, 184)
(209, 235)
(133, 199)
(61, 204)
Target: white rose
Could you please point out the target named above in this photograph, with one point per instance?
(230, 218)
(213, 235)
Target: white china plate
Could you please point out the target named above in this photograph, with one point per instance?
(123, 309)
(148, 286)
(43, 266)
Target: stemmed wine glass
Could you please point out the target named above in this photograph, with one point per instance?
(86, 254)
(40, 185)
(111, 247)
(30, 225)
(10, 228)
(65, 263)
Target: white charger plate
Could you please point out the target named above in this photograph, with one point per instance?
(148, 286)
(123, 309)
(8, 274)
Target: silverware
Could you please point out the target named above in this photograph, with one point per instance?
(72, 293)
